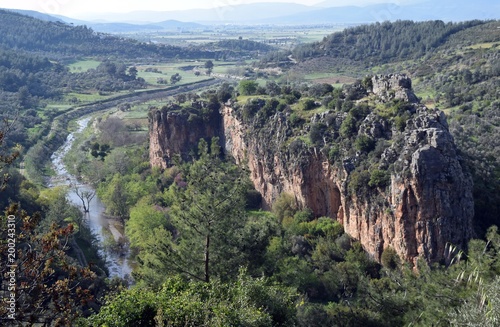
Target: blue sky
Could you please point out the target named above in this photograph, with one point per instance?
(76, 8)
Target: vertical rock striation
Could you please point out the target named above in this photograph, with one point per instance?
(173, 132)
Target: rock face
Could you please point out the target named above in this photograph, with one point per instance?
(426, 204)
(176, 133)
(394, 86)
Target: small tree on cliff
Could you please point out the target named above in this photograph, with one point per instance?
(208, 215)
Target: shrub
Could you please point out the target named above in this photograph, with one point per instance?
(285, 206)
(308, 104)
(400, 121)
(316, 134)
(248, 87)
(333, 153)
(365, 143)
(358, 182)
(295, 119)
(348, 126)
(379, 178)
(390, 258)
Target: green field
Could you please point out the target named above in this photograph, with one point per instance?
(83, 65)
(168, 69)
(284, 37)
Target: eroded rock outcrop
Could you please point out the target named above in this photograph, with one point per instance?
(174, 132)
(425, 203)
(394, 86)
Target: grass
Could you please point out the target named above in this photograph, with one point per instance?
(58, 106)
(83, 65)
(487, 45)
(167, 70)
(139, 112)
(88, 97)
(334, 79)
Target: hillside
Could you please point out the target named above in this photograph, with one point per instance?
(60, 40)
(454, 66)
(381, 43)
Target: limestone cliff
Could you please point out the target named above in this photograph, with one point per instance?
(407, 191)
(176, 132)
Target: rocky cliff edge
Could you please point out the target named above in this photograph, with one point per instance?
(407, 190)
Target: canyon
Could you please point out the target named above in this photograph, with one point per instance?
(425, 205)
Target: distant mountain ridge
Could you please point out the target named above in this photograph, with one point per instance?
(244, 13)
(285, 13)
(117, 27)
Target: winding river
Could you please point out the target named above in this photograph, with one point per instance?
(105, 229)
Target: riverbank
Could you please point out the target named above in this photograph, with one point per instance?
(101, 226)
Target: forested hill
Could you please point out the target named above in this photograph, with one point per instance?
(58, 39)
(454, 66)
(385, 42)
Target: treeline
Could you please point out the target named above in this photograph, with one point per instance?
(383, 42)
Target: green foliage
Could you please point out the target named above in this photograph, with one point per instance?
(209, 66)
(364, 143)
(358, 182)
(225, 92)
(248, 87)
(175, 78)
(316, 134)
(308, 104)
(333, 153)
(481, 309)
(383, 42)
(400, 121)
(99, 150)
(121, 192)
(295, 119)
(54, 289)
(243, 45)
(285, 206)
(367, 83)
(207, 214)
(379, 178)
(61, 213)
(348, 127)
(144, 219)
(251, 108)
(390, 259)
(244, 302)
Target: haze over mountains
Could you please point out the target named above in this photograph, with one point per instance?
(327, 12)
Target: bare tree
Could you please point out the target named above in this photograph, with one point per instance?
(85, 196)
